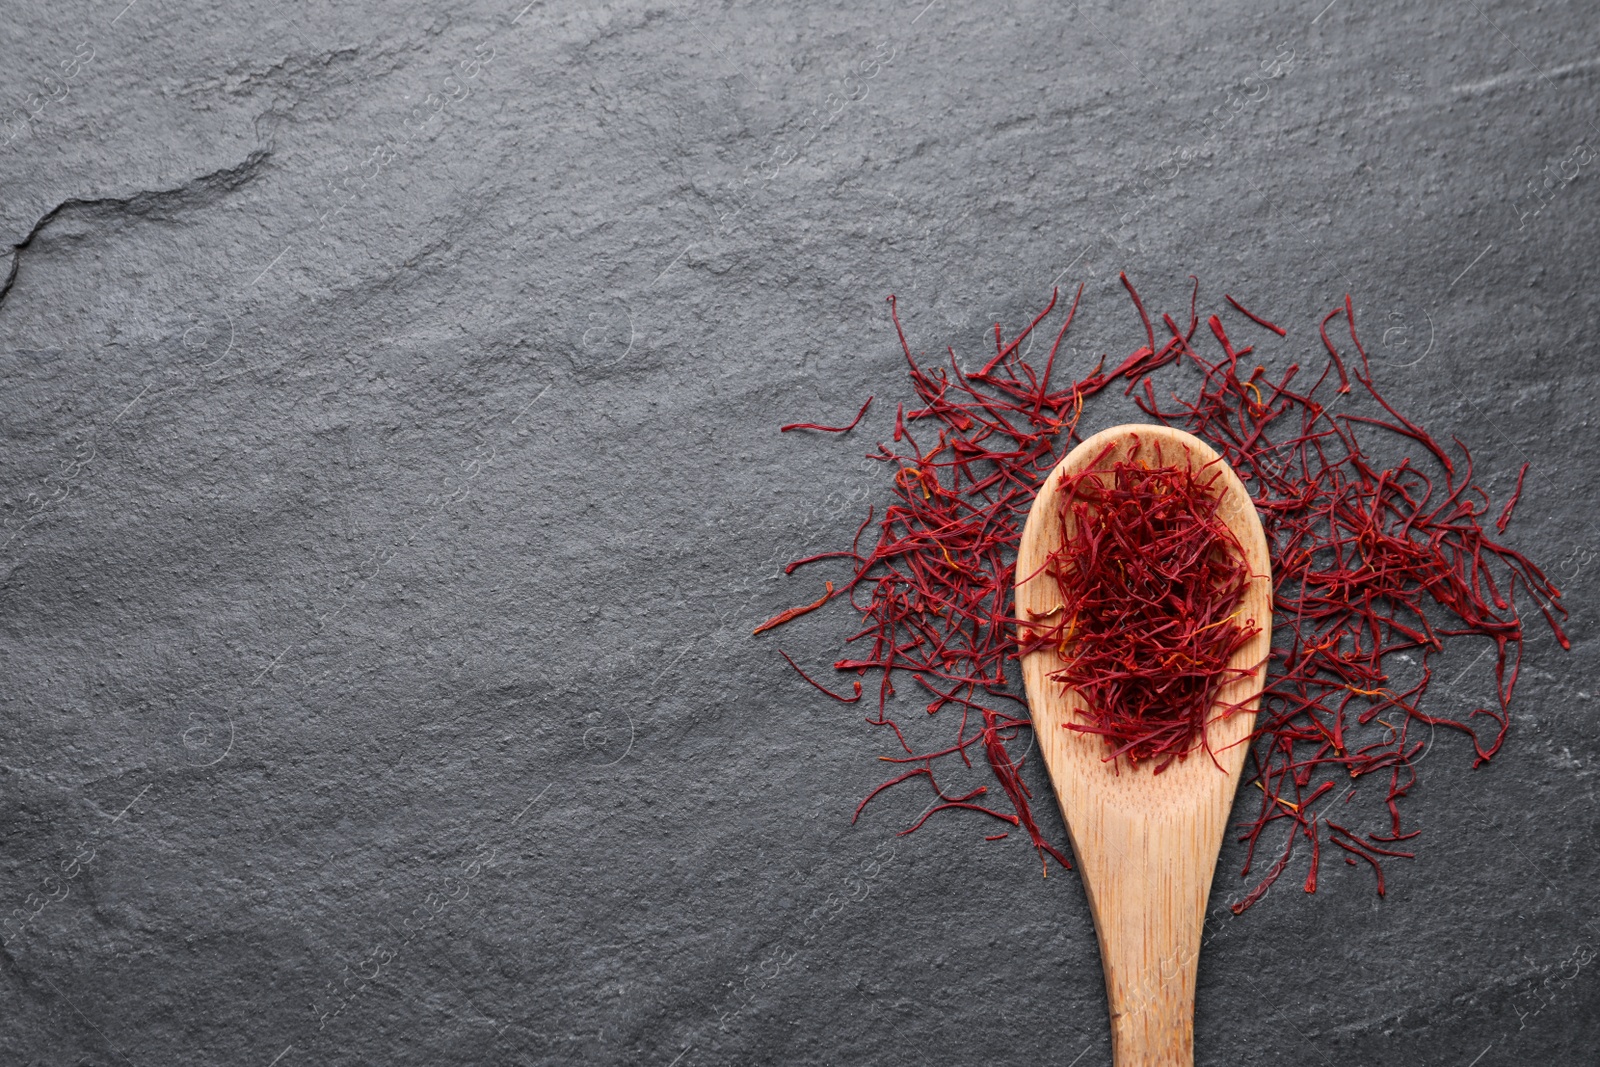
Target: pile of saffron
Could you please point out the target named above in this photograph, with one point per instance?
(1150, 579)
(1375, 566)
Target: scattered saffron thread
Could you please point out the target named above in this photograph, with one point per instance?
(828, 429)
(1253, 317)
(1516, 494)
(818, 686)
(794, 613)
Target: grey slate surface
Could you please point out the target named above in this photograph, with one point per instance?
(391, 482)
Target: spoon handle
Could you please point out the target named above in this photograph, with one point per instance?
(1147, 847)
(1148, 879)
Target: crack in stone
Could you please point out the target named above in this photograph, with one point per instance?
(203, 190)
(240, 79)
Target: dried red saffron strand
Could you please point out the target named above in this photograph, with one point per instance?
(828, 429)
(1253, 317)
(1150, 579)
(794, 613)
(1369, 562)
(1516, 494)
(818, 686)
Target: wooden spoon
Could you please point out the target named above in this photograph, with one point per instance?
(1146, 843)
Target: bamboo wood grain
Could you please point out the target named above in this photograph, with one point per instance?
(1146, 844)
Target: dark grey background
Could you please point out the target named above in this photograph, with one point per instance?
(391, 482)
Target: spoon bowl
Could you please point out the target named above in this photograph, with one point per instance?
(1146, 843)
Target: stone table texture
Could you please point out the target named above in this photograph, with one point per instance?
(391, 482)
